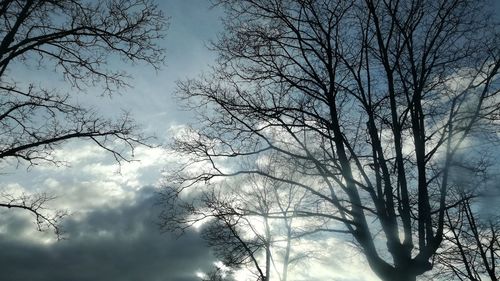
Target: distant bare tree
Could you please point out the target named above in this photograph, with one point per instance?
(250, 224)
(372, 98)
(77, 39)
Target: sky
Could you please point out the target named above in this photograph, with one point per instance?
(112, 232)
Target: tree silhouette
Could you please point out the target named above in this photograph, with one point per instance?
(78, 40)
(373, 99)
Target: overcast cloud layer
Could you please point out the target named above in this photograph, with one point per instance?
(119, 243)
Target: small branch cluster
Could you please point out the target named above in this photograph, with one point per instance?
(36, 205)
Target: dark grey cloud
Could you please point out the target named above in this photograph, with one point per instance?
(122, 243)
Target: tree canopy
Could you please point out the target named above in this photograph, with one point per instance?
(374, 102)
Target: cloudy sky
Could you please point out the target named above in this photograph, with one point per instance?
(112, 232)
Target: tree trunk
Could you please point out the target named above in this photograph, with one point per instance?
(401, 274)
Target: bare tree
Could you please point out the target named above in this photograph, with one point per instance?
(373, 99)
(76, 39)
(251, 224)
